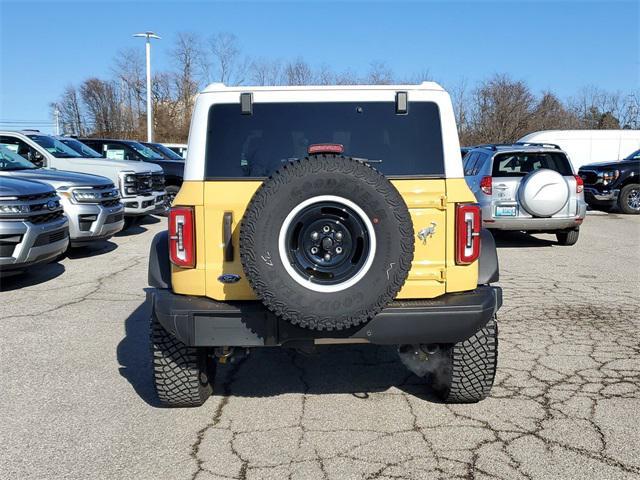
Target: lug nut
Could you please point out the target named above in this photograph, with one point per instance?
(338, 236)
(315, 236)
(338, 250)
(327, 257)
(314, 250)
(326, 229)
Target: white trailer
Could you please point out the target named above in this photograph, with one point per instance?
(589, 146)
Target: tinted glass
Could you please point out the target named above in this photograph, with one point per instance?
(518, 164)
(84, 150)
(469, 162)
(634, 156)
(167, 153)
(54, 147)
(255, 145)
(9, 160)
(146, 152)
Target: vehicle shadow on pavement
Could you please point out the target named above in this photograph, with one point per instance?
(92, 250)
(33, 276)
(356, 370)
(139, 226)
(134, 355)
(506, 239)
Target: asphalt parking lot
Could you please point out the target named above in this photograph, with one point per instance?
(77, 400)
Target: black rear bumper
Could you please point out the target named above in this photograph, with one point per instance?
(202, 322)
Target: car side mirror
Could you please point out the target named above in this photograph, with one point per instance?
(36, 158)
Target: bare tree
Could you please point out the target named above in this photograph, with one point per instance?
(501, 110)
(460, 101)
(263, 72)
(70, 110)
(379, 74)
(225, 63)
(129, 69)
(186, 55)
(298, 72)
(103, 106)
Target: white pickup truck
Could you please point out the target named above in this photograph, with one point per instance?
(139, 182)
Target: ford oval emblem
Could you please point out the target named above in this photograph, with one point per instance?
(52, 204)
(229, 278)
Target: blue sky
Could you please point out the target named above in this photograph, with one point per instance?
(561, 46)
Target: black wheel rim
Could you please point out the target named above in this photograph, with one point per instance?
(327, 243)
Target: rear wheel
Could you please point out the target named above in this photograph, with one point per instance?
(569, 237)
(183, 376)
(467, 369)
(629, 199)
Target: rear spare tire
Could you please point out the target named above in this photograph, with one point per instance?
(326, 242)
(543, 193)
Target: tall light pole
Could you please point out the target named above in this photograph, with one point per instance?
(149, 36)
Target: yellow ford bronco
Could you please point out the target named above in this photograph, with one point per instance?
(324, 215)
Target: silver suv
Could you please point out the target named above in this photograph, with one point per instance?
(33, 228)
(527, 187)
(91, 203)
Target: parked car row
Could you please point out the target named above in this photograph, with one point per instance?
(59, 192)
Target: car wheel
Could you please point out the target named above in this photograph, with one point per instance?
(326, 242)
(569, 237)
(466, 370)
(183, 376)
(629, 199)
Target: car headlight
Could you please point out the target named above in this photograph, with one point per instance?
(609, 176)
(129, 178)
(86, 196)
(14, 209)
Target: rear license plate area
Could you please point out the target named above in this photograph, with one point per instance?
(506, 211)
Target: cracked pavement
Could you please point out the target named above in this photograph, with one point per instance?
(77, 401)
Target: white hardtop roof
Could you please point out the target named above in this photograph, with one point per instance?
(221, 87)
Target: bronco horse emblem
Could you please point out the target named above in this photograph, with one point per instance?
(427, 232)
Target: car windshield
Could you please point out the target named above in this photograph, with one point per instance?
(255, 145)
(634, 156)
(519, 164)
(80, 148)
(166, 152)
(54, 147)
(146, 152)
(9, 160)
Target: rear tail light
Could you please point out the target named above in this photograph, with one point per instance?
(467, 233)
(182, 246)
(579, 184)
(486, 185)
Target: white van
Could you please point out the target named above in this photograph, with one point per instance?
(589, 146)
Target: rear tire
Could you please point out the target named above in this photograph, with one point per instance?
(568, 237)
(183, 376)
(468, 368)
(629, 199)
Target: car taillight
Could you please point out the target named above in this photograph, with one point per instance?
(486, 185)
(579, 184)
(468, 223)
(182, 242)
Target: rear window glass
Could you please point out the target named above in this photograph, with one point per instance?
(520, 163)
(253, 146)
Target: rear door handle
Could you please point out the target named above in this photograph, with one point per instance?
(501, 186)
(227, 236)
